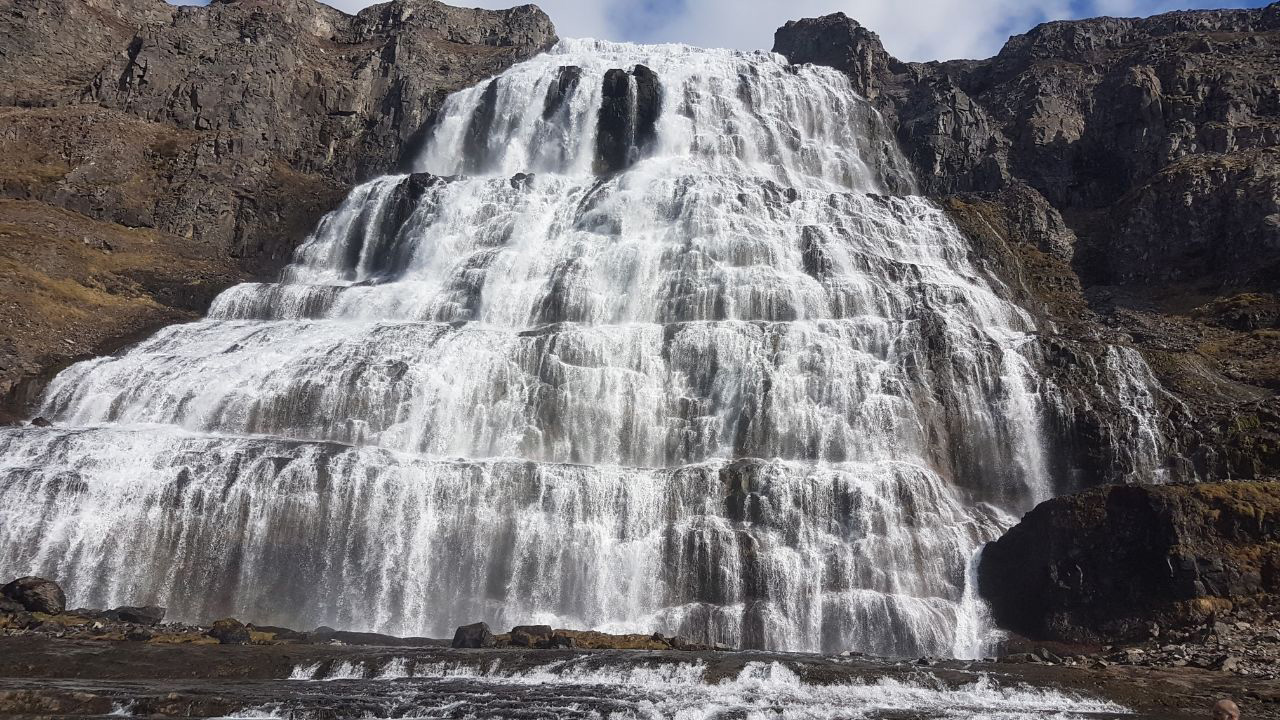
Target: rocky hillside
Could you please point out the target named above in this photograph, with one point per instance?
(155, 154)
(1122, 175)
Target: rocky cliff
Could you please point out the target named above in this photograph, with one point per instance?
(1123, 176)
(155, 154)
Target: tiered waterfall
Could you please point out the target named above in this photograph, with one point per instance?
(663, 342)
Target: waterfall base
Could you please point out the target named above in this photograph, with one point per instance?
(137, 679)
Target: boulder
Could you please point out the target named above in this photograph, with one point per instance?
(147, 615)
(1105, 564)
(531, 636)
(229, 631)
(36, 594)
(476, 635)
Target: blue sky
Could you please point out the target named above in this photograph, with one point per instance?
(911, 29)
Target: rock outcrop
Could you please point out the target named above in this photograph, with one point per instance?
(1123, 175)
(1108, 563)
(156, 153)
(630, 105)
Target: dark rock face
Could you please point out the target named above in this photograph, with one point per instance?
(476, 635)
(1121, 176)
(1105, 563)
(36, 594)
(558, 93)
(229, 631)
(199, 145)
(629, 112)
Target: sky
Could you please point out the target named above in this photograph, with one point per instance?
(910, 29)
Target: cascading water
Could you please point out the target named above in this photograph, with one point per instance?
(684, 367)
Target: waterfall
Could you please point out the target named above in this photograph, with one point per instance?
(701, 366)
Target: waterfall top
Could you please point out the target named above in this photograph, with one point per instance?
(718, 111)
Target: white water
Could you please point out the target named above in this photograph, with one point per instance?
(681, 690)
(734, 392)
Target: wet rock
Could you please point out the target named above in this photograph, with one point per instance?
(531, 636)
(229, 631)
(559, 91)
(627, 120)
(476, 635)
(1105, 563)
(36, 594)
(147, 615)
(475, 144)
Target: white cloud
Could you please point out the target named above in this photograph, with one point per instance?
(910, 29)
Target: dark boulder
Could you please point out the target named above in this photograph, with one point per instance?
(532, 636)
(148, 615)
(229, 631)
(1104, 564)
(476, 635)
(36, 594)
(41, 422)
